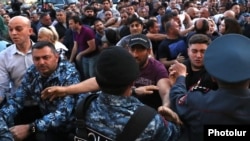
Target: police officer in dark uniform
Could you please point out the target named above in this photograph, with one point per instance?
(116, 70)
(227, 61)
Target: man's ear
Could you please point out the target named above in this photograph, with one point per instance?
(57, 56)
(150, 52)
(31, 31)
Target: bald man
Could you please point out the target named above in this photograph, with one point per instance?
(204, 13)
(193, 12)
(14, 61)
(201, 26)
(229, 14)
(17, 58)
(226, 14)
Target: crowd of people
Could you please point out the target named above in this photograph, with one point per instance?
(178, 57)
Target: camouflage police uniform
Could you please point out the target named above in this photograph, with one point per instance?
(5, 134)
(108, 114)
(57, 114)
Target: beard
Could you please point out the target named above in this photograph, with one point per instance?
(142, 62)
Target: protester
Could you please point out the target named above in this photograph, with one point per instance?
(229, 25)
(62, 25)
(84, 52)
(14, 62)
(11, 70)
(152, 72)
(50, 34)
(174, 46)
(197, 77)
(153, 77)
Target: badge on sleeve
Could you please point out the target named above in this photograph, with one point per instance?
(182, 100)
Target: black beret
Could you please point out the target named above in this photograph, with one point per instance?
(116, 68)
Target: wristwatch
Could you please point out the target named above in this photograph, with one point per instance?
(32, 128)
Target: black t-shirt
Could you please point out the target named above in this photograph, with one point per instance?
(164, 50)
(199, 78)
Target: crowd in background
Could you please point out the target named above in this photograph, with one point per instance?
(80, 31)
(115, 17)
(111, 23)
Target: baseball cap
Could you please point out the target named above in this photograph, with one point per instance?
(139, 39)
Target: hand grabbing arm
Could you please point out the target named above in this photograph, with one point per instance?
(146, 89)
(53, 92)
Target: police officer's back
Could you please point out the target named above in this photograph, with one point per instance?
(116, 70)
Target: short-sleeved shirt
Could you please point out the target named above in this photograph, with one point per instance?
(86, 34)
(150, 75)
(164, 48)
(199, 78)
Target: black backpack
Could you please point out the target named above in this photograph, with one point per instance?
(135, 126)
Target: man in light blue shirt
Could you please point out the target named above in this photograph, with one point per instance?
(15, 60)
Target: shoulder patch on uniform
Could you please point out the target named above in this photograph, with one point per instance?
(182, 100)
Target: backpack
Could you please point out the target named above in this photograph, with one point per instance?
(135, 126)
